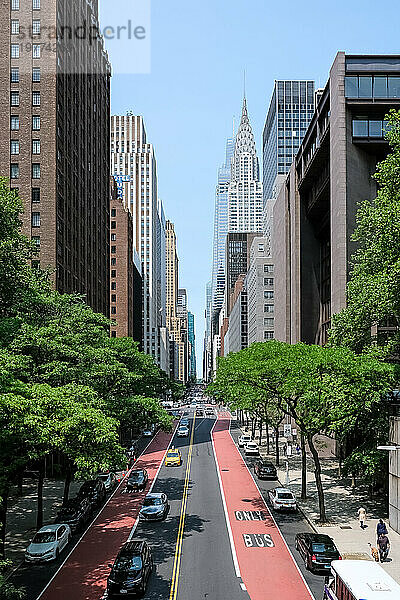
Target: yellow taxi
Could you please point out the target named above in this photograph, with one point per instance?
(173, 458)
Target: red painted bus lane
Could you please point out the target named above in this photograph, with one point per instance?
(266, 565)
(84, 574)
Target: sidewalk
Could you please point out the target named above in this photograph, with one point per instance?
(342, 503)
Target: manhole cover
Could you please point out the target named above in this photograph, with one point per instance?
(346, 527)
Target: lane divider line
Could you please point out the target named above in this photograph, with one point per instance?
(97, 515)
(228, 523)
(179, 541)
(271, 515)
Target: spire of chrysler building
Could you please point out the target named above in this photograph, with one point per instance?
(245, 147)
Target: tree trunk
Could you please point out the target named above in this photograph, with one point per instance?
(3, 517)
(277, 446)
(253, 428)
(318, 481)
(20, 480)
(67, 485)
(39, 515)
(267, 428)
(260, 436)
(303, 467)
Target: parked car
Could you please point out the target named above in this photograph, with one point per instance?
(282, 499)
(149, 432)
(173, 458)
(109, 480)
(251, 449)
(48, 542)
(184, 422)
(265, 470)
(75, 513)
(131, 570)
(137, 480)
(94, 490)
(155, 507)
(317, 550)
(243, 439)
(183, 431)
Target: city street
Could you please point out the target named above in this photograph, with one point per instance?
(202, 548)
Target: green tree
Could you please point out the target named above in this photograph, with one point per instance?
(323, 389)
(373, 292)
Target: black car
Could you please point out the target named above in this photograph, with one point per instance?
(265, 470)
(94, 491)
(131, 570)
(155, 507)
(75, 513)
(317, 550)
(137, 480)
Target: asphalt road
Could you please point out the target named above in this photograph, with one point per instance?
(191, 547)
(289, 523)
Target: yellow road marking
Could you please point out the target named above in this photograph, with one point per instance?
(179, 541)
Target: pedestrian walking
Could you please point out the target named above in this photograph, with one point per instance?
(362, 516)
(384, 547)
(374, 552)
(381, 529)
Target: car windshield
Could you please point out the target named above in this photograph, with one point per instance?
(68, 511)
(104, 477)
(125, 562)
(173, 454)
(285, 496)
(323, 547)
(136, 475)
(266, 466)
(44, 537)
(152, 502)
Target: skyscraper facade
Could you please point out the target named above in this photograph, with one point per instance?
(221, 228)
(290, 112)
(54, 139)
(133, 165)
(245, 191)
(192, 347)
(183, 351)
(172, 278)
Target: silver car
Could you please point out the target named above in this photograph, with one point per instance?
(48, 543)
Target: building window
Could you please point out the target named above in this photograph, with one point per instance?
(268, 281)
(114, 285)
(35, 50)
(36, 241)
(36, 219)
(113, 237)
(35, 146)
(268, 335)
(36, 26)
(113, 249)
(36, 74)
(113, 334)
(113, 297)
(113, 273)
(36, 171)
(14, 4)
(394, 87)
(268, 321)
(113, 262)
(14, 123)
(14, 147)
(36, 98)
(36, 123)
(268, 268)
(113, 310)
(261, 247)
(14, 50)
(14, 171)
(113, 212)
(268, 295)
(36, 4)
(14, 75)
(35, 195)
(113, 224)
(14, 98)
(268, 308)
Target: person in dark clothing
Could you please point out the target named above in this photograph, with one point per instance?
(384, 545)
(381, 529)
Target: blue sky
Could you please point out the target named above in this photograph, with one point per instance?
(198, 53)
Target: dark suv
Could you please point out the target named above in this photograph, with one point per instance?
(131, 570)
(318, 551)
(94, 491)
(265, 470)
(75, 513)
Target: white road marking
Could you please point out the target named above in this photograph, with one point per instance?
(228, 523)
(91, 524)
(272, 516)
(243, 587)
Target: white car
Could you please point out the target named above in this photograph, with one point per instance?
(148, 433)
(282, 499)
(251, 449)
(109, 479)
(183, 431)
(243, 439)
(48, 542)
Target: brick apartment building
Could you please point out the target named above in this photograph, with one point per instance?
(54, 139)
